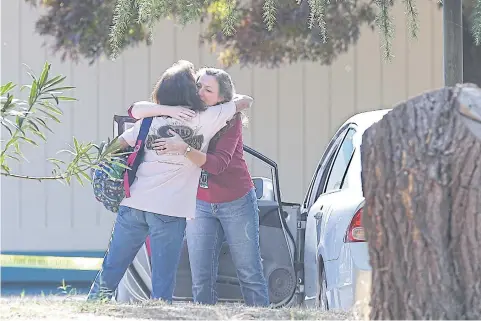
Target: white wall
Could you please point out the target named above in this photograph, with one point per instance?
(297, 109)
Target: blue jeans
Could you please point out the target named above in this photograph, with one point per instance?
(130, 231)
(238, 223)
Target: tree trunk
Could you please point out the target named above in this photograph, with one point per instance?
(421, 176)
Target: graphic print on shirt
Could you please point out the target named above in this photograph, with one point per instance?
(185, 132)
(204, 179)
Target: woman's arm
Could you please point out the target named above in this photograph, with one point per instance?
(219, 159)
(195, 156)
(175, 144)
(214, 162)
(127, 139)
(143, 109)
(118, 145)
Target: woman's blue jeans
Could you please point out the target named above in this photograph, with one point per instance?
(238, 223)
(130, 231)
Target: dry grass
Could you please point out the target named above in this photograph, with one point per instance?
(61, 308)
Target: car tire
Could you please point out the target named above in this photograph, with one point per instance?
(321, 297)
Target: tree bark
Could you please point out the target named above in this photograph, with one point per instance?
(421, 175)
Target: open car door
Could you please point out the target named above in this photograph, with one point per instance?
(281, 234)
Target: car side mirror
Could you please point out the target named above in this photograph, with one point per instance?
(264, 188)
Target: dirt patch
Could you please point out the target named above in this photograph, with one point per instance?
(52, 308)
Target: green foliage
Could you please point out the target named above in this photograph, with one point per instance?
(27, 121)
(296, 35)
(80, 29)
(262, 32)
(240, 32)
(299, 29)
(474, 7)
(385, 25)
(66, 289)
(147, 13)
(471, 54)
(271, 15)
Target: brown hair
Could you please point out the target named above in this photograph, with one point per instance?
(227, 92)
(226, 86)
(177, 87)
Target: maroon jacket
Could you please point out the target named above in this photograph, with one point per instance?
(225, 176)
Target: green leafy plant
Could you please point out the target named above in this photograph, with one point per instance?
(27, 121)
(66, 289)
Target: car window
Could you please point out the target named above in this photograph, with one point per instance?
(321, 175)
(313, 186)
(340, 164)
(345, 181)
(316, 183)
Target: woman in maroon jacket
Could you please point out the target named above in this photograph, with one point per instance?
(226, 201)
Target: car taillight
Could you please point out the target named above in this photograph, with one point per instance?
(355, 231)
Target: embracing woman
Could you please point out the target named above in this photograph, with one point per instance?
(226, 201)
(163, 194)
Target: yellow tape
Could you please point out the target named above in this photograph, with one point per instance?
(51, 262)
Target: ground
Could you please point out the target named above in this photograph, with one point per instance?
(55, 308)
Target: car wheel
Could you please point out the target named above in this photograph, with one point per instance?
(321, 298)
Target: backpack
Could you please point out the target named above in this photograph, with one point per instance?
(111, 182)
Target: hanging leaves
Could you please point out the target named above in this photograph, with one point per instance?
(313, 30)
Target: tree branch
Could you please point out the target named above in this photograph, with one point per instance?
(63, 176)
(34, 178)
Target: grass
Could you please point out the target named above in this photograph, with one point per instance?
(75, 308)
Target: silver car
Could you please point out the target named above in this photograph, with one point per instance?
(335, 249)
(312, 253)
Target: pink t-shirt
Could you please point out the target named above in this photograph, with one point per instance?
(167, 183)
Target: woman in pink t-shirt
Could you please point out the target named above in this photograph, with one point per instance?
(163, 193)
(226, 202)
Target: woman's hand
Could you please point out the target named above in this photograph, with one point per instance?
(179, 113)
(171, 145)
(242, 102)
